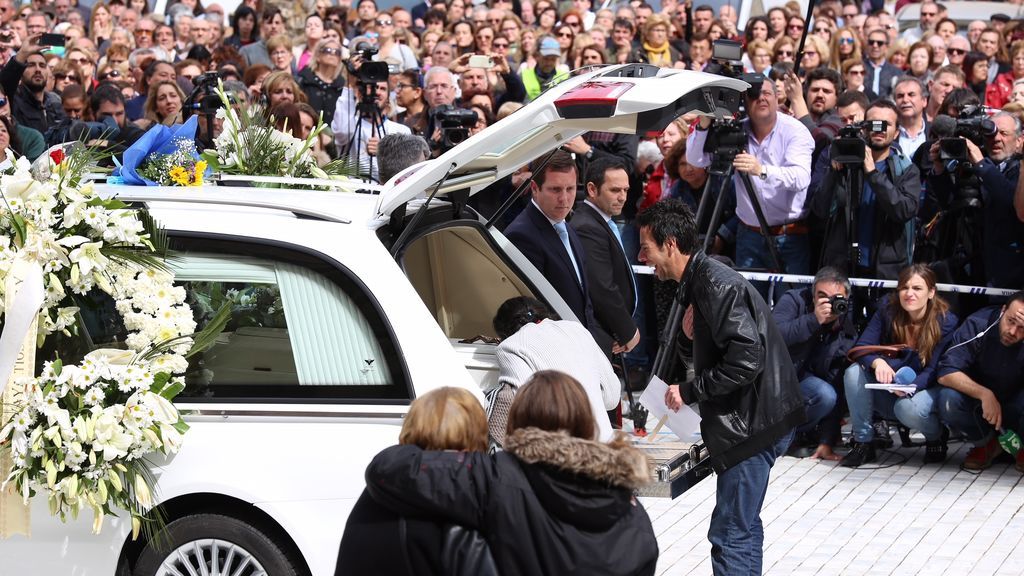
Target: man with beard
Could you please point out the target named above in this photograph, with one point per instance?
(883, 208)
(816, 110)
(910, 101)
(25, 77)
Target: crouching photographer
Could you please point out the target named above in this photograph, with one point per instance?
(817, 325)
(975, 230)
(869, 198)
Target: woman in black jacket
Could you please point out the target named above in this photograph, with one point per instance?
(379, 541)
(322, 80)
(555, 502)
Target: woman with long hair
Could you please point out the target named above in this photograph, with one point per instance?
(377, 540)
(322, 81)
(462, 37)
(815, 54)
(101, 23)
(784, 50)
(757, 29)
(920, 321)
(245, 27)
(845, 46)
(163, 104)
(389, 47)
(281, 87)
(573, 494)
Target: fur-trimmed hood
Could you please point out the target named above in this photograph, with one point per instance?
(616, 463)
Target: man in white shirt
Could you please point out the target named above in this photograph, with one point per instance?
(358, 128)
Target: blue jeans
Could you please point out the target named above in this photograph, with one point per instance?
(963, 414)
(736, 533)
(819, 400)
(919, 412)
(752, 253)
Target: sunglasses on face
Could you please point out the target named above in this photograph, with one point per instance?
(785, 53)
(113, 74)
(821, 29)
(796, 26)
(956, 51)
(856, 72)
(846, 40)
(64, 76)
(565, 34)
(384, 22)
(329, 50)
(500, 45)
(877, 42)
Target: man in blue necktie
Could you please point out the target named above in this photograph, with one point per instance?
(541, 234)
(609, 275)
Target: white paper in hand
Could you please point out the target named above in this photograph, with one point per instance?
(685, 423)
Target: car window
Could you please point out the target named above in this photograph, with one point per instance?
(298, 328)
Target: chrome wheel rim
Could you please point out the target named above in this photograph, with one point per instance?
(210, 557)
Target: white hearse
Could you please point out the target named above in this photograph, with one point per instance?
(347, 305)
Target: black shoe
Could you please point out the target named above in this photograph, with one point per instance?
(935, 452)
(802, 446)
(883, 439)
(861, 453)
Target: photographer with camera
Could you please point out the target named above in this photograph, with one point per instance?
(817, 325)
(777, 158)
(876, 219)
(958, 165)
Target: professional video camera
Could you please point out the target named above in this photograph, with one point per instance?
(972, 124)
(726, 137)
(205, 102)
(454, 124)
(368, 72)
(848, 147)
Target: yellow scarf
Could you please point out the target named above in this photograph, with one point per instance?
(659, 56)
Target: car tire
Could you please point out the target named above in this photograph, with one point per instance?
(199, 538)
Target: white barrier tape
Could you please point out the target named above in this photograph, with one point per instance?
(864, 282)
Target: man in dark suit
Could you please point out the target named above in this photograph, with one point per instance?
(541, 233)
(609, 275)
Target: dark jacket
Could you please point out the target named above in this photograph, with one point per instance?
(1002, 233)
(322, 96)
(536, 238)
(897, 197)
(816, 349)
(744, 379)
(25, 108)
(879, 331)
(889, 74)
(550, 504)
(985, 360)
(609, 275)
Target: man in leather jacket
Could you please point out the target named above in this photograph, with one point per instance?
(744, 380)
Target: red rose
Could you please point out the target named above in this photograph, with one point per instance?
(57, 156)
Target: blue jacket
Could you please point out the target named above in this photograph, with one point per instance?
(985, 360)
(879, 331)
(817, 350)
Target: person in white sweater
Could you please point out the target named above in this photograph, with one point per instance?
(531, 340)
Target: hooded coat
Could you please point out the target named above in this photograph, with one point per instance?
(549, 504)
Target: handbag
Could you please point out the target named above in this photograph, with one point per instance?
(886, 350)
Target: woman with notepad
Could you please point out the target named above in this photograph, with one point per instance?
(915, 325)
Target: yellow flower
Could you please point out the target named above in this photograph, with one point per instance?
(200, 169)
(179, 176)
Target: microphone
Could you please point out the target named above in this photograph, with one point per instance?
(944, 126)
(905, 376)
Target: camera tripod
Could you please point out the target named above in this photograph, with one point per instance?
(366, 109)
(852, 177)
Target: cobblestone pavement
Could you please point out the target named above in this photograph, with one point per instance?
(905, 518)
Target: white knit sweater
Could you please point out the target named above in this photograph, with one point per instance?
(566, 346)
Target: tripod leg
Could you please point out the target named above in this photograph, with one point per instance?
(716, 216)
(773, 250)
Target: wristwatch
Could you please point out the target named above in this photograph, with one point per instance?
(590, 153)
(764, 173)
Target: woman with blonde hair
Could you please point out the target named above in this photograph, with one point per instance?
(280, 87)
(163, 105)
(379, 539)
(815, 54)
(655, 48)
(845, 46)
(901, 344)
(101, 23)
(573, 494)
(322, 81)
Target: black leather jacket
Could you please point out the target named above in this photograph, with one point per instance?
(744, 380)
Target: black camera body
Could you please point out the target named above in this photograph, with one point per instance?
(369, 72)
(972, 124)
(454, 124)
(848, 148)
(840, 304)
(204, 99)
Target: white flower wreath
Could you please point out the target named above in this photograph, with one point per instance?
(80, 433)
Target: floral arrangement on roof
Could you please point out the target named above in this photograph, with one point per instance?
(165, 156)
(80, 431)
(250, 145)
(180, 167)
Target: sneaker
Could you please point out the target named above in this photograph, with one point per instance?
(981, 457)
(1020, 461)
(935, 451)
(882, 437)
(861, 453)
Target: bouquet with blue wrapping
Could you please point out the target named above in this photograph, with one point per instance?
(165, 156)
